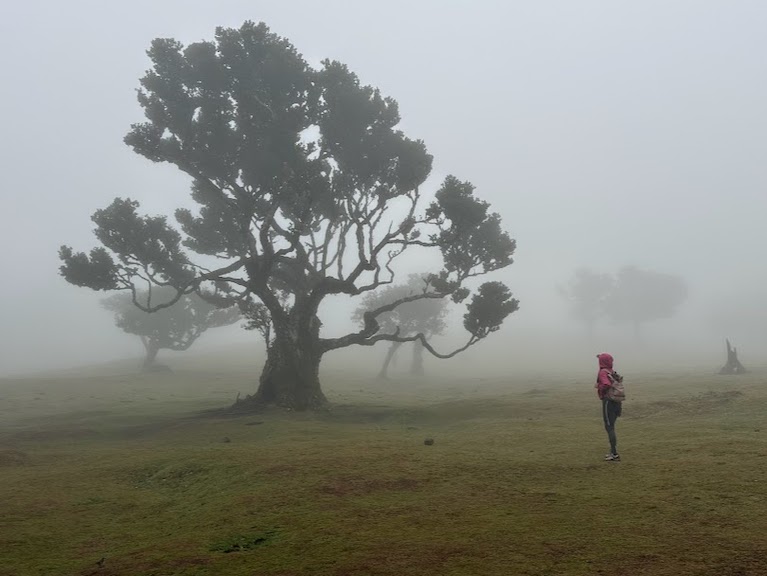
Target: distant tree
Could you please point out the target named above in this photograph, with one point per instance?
(420, 316)
(586, 294)
(306, 189)
(175, 327)
(641, 296)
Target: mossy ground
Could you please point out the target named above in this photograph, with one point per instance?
(131, 470)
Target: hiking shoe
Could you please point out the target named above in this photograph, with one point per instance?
(612, 458)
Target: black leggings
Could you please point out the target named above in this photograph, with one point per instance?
(610, 412)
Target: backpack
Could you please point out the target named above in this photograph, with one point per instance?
(616, 392)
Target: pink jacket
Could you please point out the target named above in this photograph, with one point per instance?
(603, 379)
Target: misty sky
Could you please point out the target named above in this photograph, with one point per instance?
(605, 133)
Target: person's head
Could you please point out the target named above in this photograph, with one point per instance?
(605, 361)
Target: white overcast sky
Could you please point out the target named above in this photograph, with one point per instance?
(605, 133)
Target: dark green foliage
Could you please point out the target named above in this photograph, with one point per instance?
(146, 248)
(488, 308)
(472, 240)
(97, 271)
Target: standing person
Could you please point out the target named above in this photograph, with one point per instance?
(611, 408)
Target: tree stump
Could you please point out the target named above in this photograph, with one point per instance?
(733, 365)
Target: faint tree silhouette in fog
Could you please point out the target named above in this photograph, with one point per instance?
(306, 189)
(639, 296)
(586, 294)
(424, 316)
(175, 327)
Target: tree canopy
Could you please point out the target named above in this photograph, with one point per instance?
(586, 294)
(306, 188)
(640, 296)
(633, 296)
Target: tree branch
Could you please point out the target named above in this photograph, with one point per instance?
(418, 337)
(189, 288)
(371, 325)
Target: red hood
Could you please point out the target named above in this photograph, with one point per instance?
(605, 361)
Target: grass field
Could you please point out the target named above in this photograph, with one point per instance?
(104, 474)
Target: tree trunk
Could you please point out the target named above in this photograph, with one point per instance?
(290, 377)
(416, 367)
(151, 354)
(389, 357)
(733, 365)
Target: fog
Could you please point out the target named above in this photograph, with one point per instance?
(605, 134)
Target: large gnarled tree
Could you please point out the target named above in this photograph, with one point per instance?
(306, 189)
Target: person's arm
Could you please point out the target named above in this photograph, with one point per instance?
(603, 383)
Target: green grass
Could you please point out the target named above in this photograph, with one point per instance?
(128, 469)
